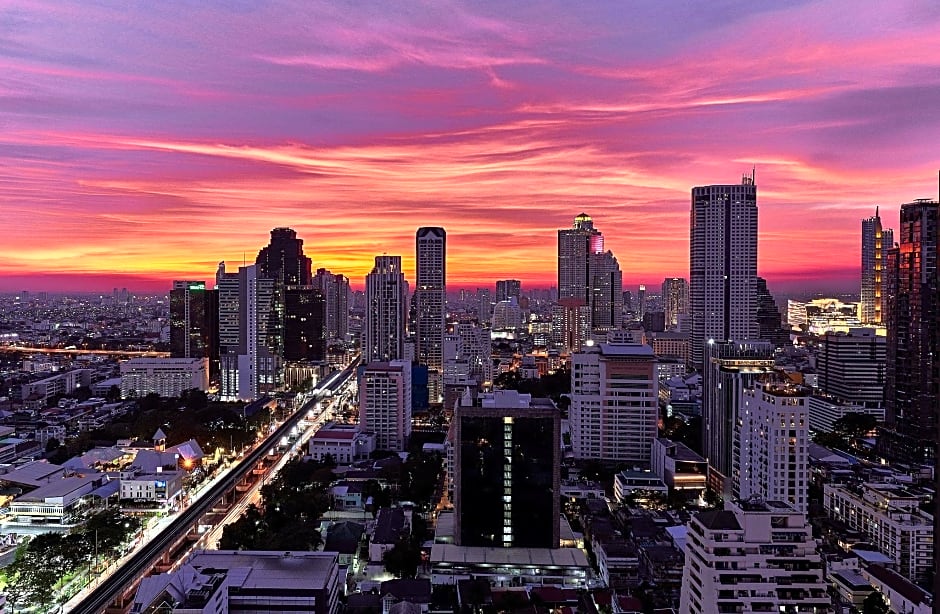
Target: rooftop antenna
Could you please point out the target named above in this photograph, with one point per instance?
(754, 175)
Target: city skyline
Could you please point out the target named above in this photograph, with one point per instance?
(134, 159)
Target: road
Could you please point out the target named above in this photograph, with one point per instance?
(139, 563)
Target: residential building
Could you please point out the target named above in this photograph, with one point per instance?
(506, 288)
(752, 556)
(825, 411)
(876, 241)
(507, 473)
(731, 367)
(575, 247)
(723, 264)
(385, 403)
(891, 519)
(606, 292)
(214, 581)
(167, 377)
(771, 434)
(335, 290)
(614, 408)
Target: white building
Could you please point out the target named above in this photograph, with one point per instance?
(167, 377)
(770, 458)
(824, 411)
(723, 264)
(346, 443)
(58, 384)
(614, 403)
(163, 489)
(890, 517)
(214, 581)
(752, 556)
(385, 403)
(680, 468)
(386, 311)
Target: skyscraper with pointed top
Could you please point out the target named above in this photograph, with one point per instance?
(876, 241)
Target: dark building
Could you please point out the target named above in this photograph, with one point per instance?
(654, 321)
(769, 322)
(283, 259)
(194, 322)
(506, 288)
(913, 351)
(335, 289)
(304, 324)
(507, 468)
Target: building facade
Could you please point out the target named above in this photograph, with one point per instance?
(852, 366)
(614, 408)
(385, 403)
(430, 300)
(386, 311)
(723, 264)
(876, 241)
(167, 377)
(675, 300)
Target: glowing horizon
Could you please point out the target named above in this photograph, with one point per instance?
(146, 143)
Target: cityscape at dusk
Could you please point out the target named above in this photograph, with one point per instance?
(465, 307)
(147, 142)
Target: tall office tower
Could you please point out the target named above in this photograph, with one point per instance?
(304, 324)
(851, 366)
(506, 288)
(770, 452)
(730, 368)
(876, 241)
(507, 472)
(675, 300)
(335, 290)
(283, 259)
(193, 318)
(641, 302)
(913, 347)
(752, 556)
(607, 292)
(229, 318)
(614, 403)
(575, 246)
(385, 403)
(723, 264)
(430, 296)
(386, 310)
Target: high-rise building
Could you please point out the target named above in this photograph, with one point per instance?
(386, 311)
(752, 556)
(385, 403)
(675, 299)
(770, 445)
(283, 259)
(430, 296)
(484, 305)
(506, 288)
(768, 316)
(614, 403)
(193, 321)
(606, 292)
(851, 366)
(731, 367)
(304, 324)
(575, 247)
(913, 343)
(335, 290)
(507, 472)
(641, 302)
(876, 241)
(723, 264)
(229, 318)
(571, 324)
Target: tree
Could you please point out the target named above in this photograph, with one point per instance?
(194, 399)
(113, 395)
(855, 424)
(52, 444)
(875, 604)
(403, 559)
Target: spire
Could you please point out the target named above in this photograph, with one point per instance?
(876, 210)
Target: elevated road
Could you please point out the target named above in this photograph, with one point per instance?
(138, 565)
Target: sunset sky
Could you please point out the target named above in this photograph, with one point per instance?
(146, 141)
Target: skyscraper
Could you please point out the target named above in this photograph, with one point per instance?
(283, 259)
(430, 296)
(913, 348)
(730, 368)
(575, 246)
(193, 321)
(386, 311)
(675, 299)
(606, 292)
(304, 324)
(723, 264)
(506, 288)
(507, 472)
(876, 241)
(385, 403)
(335, 290)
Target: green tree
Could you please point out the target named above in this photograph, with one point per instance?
(52, 444)
(855, 424)
(113, 395)
(403, 559)
(875, 604)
